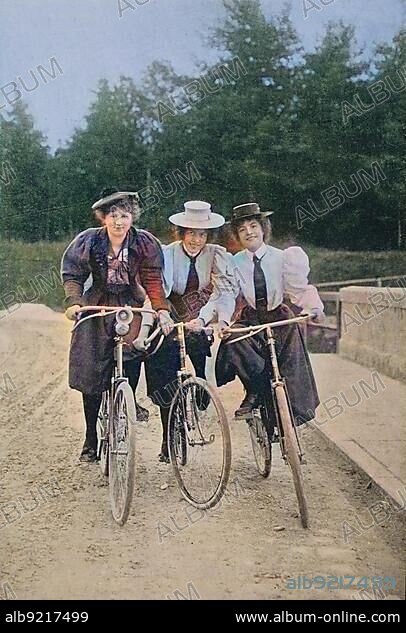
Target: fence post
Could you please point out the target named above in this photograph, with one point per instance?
(379, 282)
(338, 321)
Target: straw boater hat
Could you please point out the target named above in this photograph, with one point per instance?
(108, 196)
(197, 215)
(248, 210)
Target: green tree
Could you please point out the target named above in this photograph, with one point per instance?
(390, 123)
(24, 184)
(109, 151)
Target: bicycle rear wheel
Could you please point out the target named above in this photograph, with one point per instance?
(122, 452)
(261, 446)
(292, 451)
(199, 443)
(101, 429)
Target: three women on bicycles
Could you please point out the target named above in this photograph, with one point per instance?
(194, 281)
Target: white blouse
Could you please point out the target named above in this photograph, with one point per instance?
(286, 272)
(213, 265)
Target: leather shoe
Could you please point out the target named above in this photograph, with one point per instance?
(250, 402)
(88, 454)
(164, 455)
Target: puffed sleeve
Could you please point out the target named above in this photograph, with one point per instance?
(75, 268)
(221, 304)
(295, 273)
(151, 269)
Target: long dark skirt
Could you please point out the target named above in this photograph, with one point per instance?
(246, 359)
(161, 368)
(92, 348)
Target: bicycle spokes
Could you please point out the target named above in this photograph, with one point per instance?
(102, 433)
(122, 452)
(199, 443)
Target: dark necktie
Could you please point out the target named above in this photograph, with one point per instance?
(261, 295)
(192, 284)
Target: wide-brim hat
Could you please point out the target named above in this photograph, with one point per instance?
(108, 196)
(248, 210)
(197, 215)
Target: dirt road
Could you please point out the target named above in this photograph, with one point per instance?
(58, 540)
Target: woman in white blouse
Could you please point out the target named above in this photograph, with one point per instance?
(199, 287)
(264, 275)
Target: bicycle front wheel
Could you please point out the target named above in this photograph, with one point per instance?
(102, 431)
(122, 452)
(199, 443)
(292, 451)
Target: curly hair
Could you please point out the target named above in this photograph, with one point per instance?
(128, 205)
(264, 223)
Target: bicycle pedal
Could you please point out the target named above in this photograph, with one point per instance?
(245, 416)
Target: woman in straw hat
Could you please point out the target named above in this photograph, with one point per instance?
(264, 275)
(124, 264)
(199, 285)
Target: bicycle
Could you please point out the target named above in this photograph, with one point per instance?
(199, 440)
(276, 408)
(117, 416)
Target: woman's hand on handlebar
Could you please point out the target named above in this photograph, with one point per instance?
(223, 330)
(317, 315)
(195, 325)
(165, 322)
(72, 312)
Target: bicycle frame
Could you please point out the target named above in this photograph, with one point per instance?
(118, 367)
(276, 379)
(182, 375)
(116, 439)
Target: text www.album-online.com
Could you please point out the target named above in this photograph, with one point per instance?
(343, 617)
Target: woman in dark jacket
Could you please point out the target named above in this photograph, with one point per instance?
(124, 264)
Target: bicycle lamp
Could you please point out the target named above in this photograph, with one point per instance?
(125, 316)
(122, 329)
(123, 320)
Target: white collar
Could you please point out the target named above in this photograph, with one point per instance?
(259, 253)
(190, 254)
(183, 247)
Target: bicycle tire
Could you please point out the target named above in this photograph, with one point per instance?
(122, 452)
(292, 452)
(183, 463)
(101, 431)
(261, 447)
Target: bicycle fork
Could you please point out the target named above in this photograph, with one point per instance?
(278, 382)
(190, 423)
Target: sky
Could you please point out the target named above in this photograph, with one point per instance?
(93, 39)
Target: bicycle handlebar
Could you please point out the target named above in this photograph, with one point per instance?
(207, 330)
(114, 309)
(250, 330)
(103, 311)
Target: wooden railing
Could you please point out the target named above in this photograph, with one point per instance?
(364, 281)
